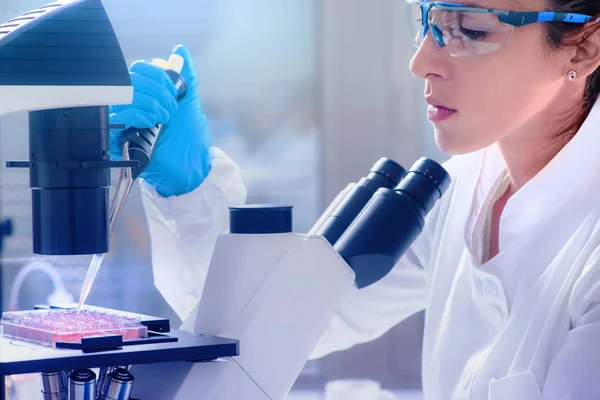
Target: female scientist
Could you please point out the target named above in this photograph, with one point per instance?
(508, 265)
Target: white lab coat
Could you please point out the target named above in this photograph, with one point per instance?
(184, 229)
(523, 326)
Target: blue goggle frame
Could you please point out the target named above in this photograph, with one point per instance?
(514, 18)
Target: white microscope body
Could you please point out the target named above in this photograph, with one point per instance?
(276, 294)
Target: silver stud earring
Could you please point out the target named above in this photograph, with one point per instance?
(572, 75)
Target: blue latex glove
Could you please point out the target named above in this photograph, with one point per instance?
(181, 157)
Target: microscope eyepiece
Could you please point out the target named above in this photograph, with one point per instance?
(391, 221)
(385, 173)
(426, 181)
(387, 169)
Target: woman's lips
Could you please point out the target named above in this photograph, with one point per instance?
(437, 113)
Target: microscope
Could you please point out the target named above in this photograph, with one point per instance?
(269, 294)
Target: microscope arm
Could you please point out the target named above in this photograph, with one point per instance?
(276, 294)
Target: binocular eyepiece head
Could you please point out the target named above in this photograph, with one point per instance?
(389, 221)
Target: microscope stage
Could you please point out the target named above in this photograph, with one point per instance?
(161, 345)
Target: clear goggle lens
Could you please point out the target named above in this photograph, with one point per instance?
(460, 33)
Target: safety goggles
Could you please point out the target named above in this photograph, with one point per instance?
(464, 31)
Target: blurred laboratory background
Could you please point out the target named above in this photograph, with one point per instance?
(304, 94)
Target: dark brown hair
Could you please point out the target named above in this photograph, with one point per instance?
(560, 35)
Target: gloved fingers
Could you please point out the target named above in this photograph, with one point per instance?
(188, 73)
(143, 84)
(149, 88)
(148, 104)
(153, 82)
(156, 74)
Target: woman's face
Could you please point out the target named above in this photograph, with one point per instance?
(493, 95)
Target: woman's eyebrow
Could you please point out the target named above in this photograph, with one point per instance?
(472, 4)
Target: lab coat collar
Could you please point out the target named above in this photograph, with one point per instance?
(568, 185)
(491, 169)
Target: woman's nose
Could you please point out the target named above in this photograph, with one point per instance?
(429, 59)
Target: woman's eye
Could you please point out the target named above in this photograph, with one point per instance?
(472, 34)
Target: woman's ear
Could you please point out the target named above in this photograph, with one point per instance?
(587, 54)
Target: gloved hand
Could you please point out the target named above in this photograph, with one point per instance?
(181, 157)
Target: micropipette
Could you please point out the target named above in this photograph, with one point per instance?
(142, 143)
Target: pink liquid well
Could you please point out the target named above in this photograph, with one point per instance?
(47, 327)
